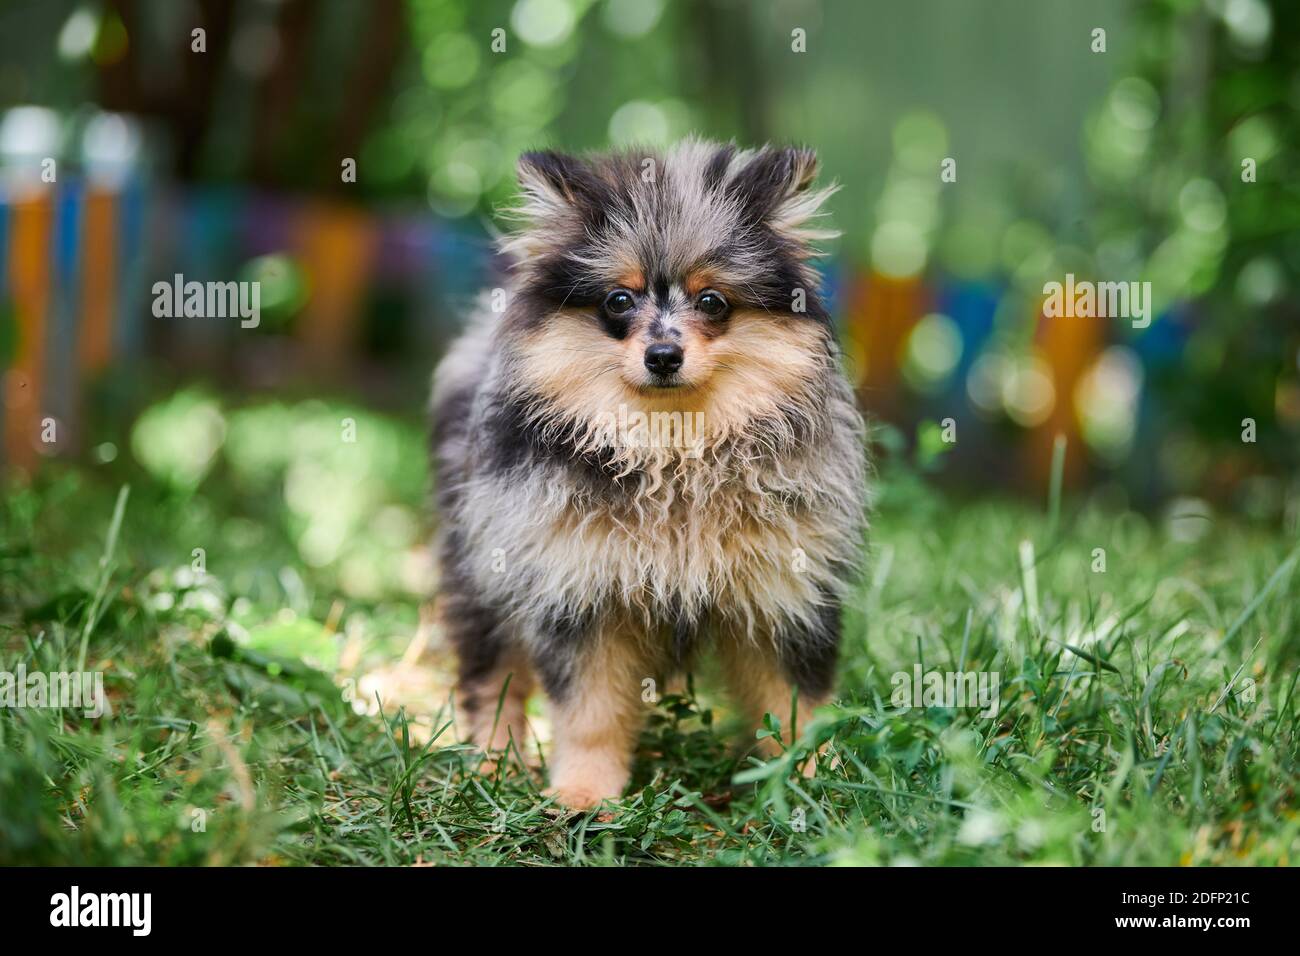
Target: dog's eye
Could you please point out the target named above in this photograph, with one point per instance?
(619, 301)
(710, 303)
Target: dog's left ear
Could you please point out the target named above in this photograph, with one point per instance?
(775, 186)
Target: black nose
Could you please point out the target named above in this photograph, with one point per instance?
(664, 358)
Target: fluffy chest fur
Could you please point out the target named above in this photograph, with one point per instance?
(757, 529)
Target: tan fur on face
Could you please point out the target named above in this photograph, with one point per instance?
(633, 279)
(746, 372)
(697, 280)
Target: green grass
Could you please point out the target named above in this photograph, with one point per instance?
(1148, 713)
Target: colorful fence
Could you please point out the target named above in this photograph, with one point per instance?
(80, 260)
(1087, 377)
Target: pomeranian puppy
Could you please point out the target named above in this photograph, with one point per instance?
(646, 447)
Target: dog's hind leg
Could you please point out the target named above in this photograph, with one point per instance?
(787, 674)
(494, 678)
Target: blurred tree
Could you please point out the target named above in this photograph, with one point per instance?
(184, 108)
(1193, 156)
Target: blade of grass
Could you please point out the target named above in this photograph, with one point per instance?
(105, 572)
(1054, 489)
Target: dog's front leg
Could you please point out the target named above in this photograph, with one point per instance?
(597, 711)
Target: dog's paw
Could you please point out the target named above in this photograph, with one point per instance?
(579, 796)
(585, 794)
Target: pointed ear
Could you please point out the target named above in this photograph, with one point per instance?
(553, 184)
(557, 192)
(775, 186)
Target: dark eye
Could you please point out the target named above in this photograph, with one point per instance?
(619, 301)
(710, 303)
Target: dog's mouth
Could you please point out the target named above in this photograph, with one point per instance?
(671, 380)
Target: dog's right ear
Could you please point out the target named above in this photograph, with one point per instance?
(557, 194)
(554, 184)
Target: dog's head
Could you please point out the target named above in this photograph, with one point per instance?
(675, 280)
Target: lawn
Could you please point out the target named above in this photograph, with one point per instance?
(250, 582)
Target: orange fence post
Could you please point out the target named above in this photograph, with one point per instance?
(882, 313)
(1070, 345)
(29, 278)
(336, 244)
(98, 280)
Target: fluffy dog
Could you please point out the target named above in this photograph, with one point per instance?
(648, 450)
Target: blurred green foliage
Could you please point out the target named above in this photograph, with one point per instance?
(333, 479)
(1123, 141)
